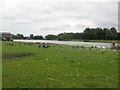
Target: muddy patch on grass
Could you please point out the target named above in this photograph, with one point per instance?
(16, 55)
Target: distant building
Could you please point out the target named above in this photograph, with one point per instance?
(6, 36)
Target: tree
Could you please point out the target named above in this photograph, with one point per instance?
(18, 36)
(38, 37)
(118, 36)
(99, 33)
(51, 37)
(114, 33)
(78, 36)
(105, 30)
(31, 36)
(88, 34)
(66, 36)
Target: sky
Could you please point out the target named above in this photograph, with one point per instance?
(43, 17)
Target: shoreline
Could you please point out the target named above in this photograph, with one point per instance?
(96, 41)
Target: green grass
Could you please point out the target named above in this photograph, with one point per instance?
(105, 41)
(0, 64)
(59, 66)
(99, 41)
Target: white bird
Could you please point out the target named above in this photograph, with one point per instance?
(98, 46)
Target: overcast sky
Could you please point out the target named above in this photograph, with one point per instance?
(43, 17)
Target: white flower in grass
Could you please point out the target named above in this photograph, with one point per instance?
(106, 78)
(50, 78)
(66, 65)
(110, 62)
(25, 75)
(18, 64)
(114, 50)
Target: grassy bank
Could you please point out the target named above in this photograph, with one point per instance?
(99, 41)
(59, 66)
(105, 41)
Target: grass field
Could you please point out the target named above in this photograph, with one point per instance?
(97, 41)
(59, 66)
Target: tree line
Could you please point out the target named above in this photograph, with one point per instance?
(87, 34)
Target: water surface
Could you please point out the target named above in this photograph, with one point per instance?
(107, 45)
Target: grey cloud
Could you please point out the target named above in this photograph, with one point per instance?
(51, 28)
(45, 17)
(64, 27)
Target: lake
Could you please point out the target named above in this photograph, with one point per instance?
(107, 45)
